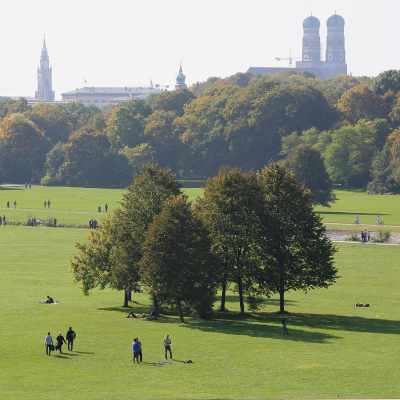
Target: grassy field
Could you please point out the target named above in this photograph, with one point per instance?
(349, 204)
(73, 206)
(333, 350)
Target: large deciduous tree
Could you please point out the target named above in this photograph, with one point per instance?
(112, 255)
(53, 121)
(177, 262)
(308, 166)
(22, 149)
(231, 209)
(87, 160)
(360, 102)
(387, 81)
(297, 252)
(126, 122)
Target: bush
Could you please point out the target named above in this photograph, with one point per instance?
(382, 237)
(354, 237)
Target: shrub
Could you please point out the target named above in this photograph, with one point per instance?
(382, 237)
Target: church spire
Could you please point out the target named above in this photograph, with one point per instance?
(44, 74)
(180, 79)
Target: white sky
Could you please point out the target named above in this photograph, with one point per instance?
(129, 42)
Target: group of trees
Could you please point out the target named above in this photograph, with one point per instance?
(254, 231)
(346, 125)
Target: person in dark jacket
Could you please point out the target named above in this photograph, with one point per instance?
(70, 336)
(60, 341)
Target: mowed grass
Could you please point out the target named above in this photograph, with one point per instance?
(71, 206)
(350, 203)
(75, 206)
(333, 350)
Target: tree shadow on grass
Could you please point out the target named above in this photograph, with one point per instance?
(350, 213)
(268, 325)
(137, 309)
(247, 327)
(143, 310)
(337, 322)
(265, 301)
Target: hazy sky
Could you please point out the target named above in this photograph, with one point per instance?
(129, 42)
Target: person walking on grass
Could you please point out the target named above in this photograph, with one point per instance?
(70, 336)
(48, 344)
(168, 347)
(60, 341)
(140, 350)
(135, 350)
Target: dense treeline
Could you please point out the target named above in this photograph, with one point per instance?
(345, 129)
(255, 232)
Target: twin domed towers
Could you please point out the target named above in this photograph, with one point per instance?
(311, 60)
(335, 58)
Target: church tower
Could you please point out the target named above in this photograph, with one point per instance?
(44, 76)
(180, 79)
(335, 48)
(311, 43)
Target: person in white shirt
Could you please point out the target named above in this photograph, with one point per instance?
(48, 343)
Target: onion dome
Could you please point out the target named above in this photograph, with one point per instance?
(335, 21)
(311, 22)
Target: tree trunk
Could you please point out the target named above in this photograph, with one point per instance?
(281, 288)
(156, 305)
(241, 300)
(126, 298)
(223, 296)
(129, 295)
(179, 306)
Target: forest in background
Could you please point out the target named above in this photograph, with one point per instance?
(344, 131)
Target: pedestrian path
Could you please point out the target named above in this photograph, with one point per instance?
(365, 244)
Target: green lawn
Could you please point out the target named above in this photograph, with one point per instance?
(333, 349)
(74, 206)
(349, 204)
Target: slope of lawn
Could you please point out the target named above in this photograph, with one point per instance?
(350, 203)
(72, 206)
(75, 206)
(333, 350)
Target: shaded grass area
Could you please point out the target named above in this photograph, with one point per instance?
(333, 350)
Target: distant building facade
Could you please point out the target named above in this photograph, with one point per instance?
(311, 62)
(180, 79)
(109, 96)
(44, 78)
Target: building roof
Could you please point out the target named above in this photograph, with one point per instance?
(117, 90)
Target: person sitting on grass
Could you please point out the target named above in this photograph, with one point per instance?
(48, 344)
(168, 347)
(49, 300)
(60, 341)
(135, 350)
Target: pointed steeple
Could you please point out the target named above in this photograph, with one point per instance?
(45, 84)
(180, 79)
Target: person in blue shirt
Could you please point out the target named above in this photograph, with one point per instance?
(136, 350)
